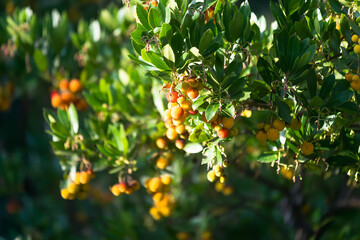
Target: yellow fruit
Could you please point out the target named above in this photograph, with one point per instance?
(219, 186)
(355, 85)
(180, 143)
(180, 129)
(165, 211)
(181, 100)
(211, 176)
(161, 142)
(348, 77)
(186, 105)
(115, 190)
(218, 171)
(354, 38)
(84, 177)
(154, 212)
(272, 134)
(223, 178)
(162, 163)
(157, 197)
(171, 133)
(228, 122)
(357, 49)
(179, 121)
(228, 190)
(166, 179)
(355, 78)
(167, 114)
(307, 148)
(64, 193)
(77, 178)
(246, 113)
(177, 112)
(184, 87)
(182, 236)
(73, 188)
(169, 156)
(75, 85)
(260, 125)
(155, 184)
(261, 136)
(295, 124)
(267, 127)
(217, 128)
(279, 124)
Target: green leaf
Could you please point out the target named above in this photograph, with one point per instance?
(340, 160)
(143, 16)
(73, 118)
(284, 110)
(205, 40)
(59, 130)
(327, 86)
(199, 135)
(168, 53)
(235, 26)
(268, 157)
(40, 60)
(155, 18)
(312, 82)
(192, 147)
(211, 110)
(339, 98)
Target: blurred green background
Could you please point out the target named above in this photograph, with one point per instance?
(263, 204)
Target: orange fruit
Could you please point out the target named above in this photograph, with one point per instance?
(75, 85)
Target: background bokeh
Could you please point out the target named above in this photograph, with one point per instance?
(261, 205)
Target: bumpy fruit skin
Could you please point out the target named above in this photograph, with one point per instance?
(186, 105)
(295, 124)
(73, 188)
(166, 179)
(261, 136)
(66, 96)
(211, 176)
(348, 77)
(260, 125)
(192, 93)
(177, 112)
(75, 85)
(307, 148)
(172, 96)
(355, 38)
(357, 49)
(228, 122)
(267, 127)
(171, 133)
(279, 124)
(84, 177)
(180, 129)
(223, 133)
(180, 143)
(161, 142)
(273, 134)
(355, 77)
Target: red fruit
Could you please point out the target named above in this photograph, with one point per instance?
(172, 96)
(53, 93)
(192, 112)
(223, 133)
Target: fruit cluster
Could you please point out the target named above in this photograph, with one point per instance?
(69, 92)
(126, 187)
(223, 126)
(164, 202)
(269, 131)
(79, 187)
(307, 148)
(217, 171)
(354, 81)
(224, 189)
(164, 160)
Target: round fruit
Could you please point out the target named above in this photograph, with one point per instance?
(193, 83)
(64, 84)
(307, 148)
(354, 38)
(355, 85)
(279, 124)
(272, 134)
(162, 162)
(64, 193)
(84, 177)
(166, 179)
(355, 77)
(228, 122)
(75, 85)
(223, 133)
(56, 100)
(180, 143)
(72, 187)
(81, 104)
(348, 77)
(154, 3)
(115, 190)
(154, 212)
(261, 136)
(168, 123)
(167, 114)
(267, 127)
(184, 87)
(357, 49)
(295, 124)
(192, 93)
(66, 96)
(177, 112)
(172, 96)
(223, 178)
(186, 105)
(233, 132)
(171, 133)
(181, 100)
(246, 113)
(179, 121)
(260, 125)
(165, 211)
(180, 129)
(217, 128)
(155, 184)
(161, 142)
(211, 176)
